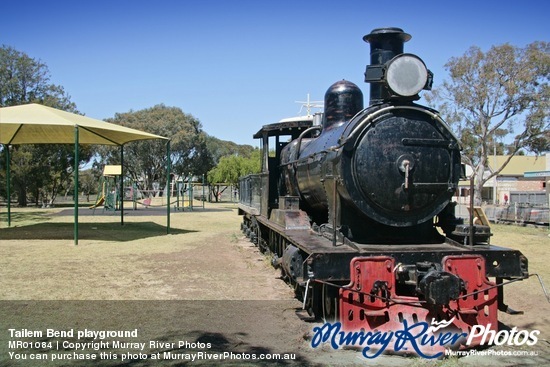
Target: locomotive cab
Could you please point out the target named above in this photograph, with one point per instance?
(260, 192)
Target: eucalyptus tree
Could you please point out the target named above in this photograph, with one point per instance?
(496, 99)
(145, 161)
(43, 170)
(230, 168)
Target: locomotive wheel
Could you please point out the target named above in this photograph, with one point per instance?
(329, 298)
(323, 302)
(298, 291)
(262, 245)
(255, 232)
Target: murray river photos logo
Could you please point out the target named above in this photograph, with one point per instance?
(417, 338)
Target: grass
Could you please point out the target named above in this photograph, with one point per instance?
(106, 231)
(139, 261)
(24, 217)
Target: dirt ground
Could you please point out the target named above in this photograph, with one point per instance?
(205, 269)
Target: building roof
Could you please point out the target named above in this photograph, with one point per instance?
(518, 164)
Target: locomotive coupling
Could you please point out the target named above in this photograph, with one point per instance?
(440, 287)
(437, 287)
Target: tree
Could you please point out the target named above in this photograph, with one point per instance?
(88, 183)
(221, 148)
(496, 99)
(230, 168)
(26, 80)
(145, 161)
(43, 170)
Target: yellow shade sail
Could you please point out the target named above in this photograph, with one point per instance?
(38, 124)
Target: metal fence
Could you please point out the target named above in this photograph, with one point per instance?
(517, 213)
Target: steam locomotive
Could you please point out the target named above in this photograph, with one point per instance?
(354, 205)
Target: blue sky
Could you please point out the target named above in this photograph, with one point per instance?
(237, 65)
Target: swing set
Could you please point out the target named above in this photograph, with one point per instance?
(109, 195)
(181, 189)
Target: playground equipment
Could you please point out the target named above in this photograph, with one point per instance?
(186, 193)
(108, 193)
(110, 196)
(181, 188)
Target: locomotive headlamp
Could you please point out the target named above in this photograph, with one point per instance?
(406, 75)
(403, 76)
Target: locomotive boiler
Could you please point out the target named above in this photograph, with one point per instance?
(354, 205)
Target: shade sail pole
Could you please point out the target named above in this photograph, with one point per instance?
(121, 191)
(168, 164)
(76, 158)
(8, 179)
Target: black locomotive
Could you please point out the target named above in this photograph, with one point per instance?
(356, 209)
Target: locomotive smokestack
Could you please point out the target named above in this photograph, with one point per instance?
(385, 44)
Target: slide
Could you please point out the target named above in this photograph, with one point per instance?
(99, 202)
